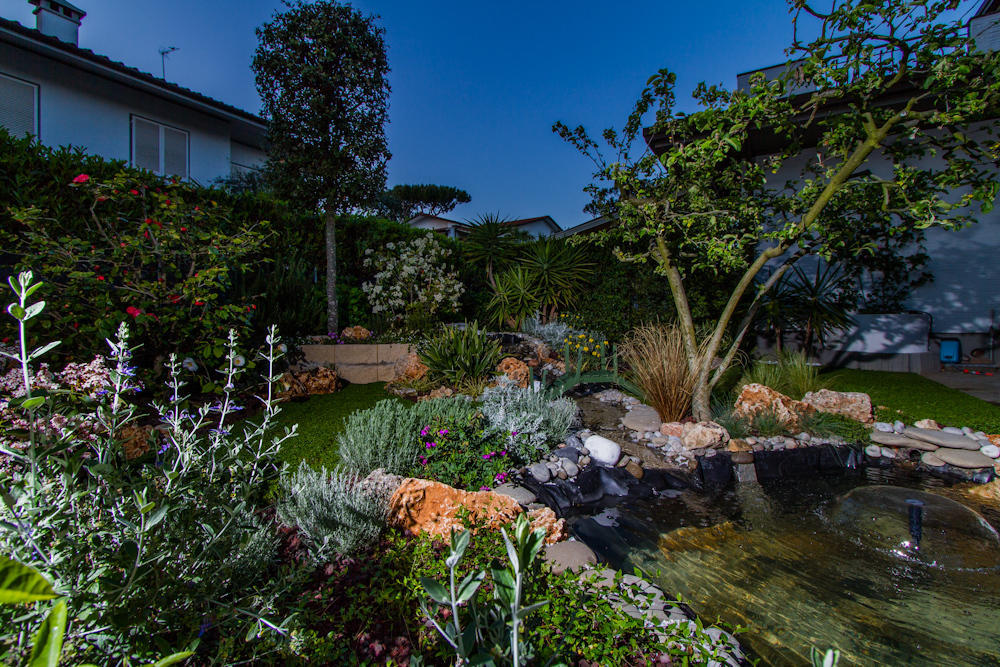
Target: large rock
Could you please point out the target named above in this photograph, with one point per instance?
(897, 440)
(931, 459)
(853, 404)
(410, 368)
(571, 555)
(963, 458)
(704, 435)
(321, 380)
(642, 418)
(941, 438)
(522, 495)
(546, 519)
(756, 398)
(516, 370)
(425, 506)
(603, 450)
(672, 428)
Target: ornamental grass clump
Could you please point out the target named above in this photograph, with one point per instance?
(657, 361)
(333, 511)
(792, 374)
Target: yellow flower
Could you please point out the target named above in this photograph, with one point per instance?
(586, 349)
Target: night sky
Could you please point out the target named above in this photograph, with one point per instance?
(476, 86)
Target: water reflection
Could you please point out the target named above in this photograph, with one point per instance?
(801, 568)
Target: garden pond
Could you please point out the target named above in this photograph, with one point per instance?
(829, 561)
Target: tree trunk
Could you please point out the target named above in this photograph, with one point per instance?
(701, 401)
(331, 273)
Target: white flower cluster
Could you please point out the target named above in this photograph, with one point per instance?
(412, 280)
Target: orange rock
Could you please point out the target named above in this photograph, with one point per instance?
(738, 445)
(545, 518)
(135, 440)
(410, 368)
(516, 370)
(756, 398)
(853, 404)
(425, 506)
(356, 333)
(322, 380)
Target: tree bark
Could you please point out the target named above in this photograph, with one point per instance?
(331, 273)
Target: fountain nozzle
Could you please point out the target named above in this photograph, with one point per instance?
(916, 520)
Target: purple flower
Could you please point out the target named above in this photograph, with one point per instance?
(484, 488)
(424, 431)
(164, 448)
(423, 460)
(486, 457)
(514, 434)
(443, 431)
(503, 452)
(431, 445)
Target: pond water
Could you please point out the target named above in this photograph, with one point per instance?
(828, 562)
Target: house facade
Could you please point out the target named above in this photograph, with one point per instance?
(66, 95)
(538, 227)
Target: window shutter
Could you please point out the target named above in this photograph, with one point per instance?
(18, 114)
(145, 145)
(175, 152)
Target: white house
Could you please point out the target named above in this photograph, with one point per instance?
(63, 94)
(537, 227)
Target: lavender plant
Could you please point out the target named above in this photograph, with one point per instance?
(163, 550)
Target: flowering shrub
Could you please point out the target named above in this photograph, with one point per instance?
(167, 549)
(413, 283)
(463, 453)
(155, 253)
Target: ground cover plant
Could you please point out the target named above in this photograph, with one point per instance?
(910, 397)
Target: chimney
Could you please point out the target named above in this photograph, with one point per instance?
(59, 19)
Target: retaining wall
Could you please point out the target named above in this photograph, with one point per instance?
(360, 364)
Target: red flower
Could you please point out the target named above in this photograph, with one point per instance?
(199, 303)
(167, 202)
(133, 192)
(81, 178)
(174, 298)
(148, 220)
(100, 277)
(122, 244)
(133, 311)
(184, 229)
(76, 325)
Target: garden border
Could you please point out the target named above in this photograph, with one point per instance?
(360, 363)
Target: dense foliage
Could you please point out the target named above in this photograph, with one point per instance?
(403, 202)
(702, 201)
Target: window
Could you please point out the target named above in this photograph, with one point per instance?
(18, 106)
(159, 148)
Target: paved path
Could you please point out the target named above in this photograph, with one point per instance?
(986, 387)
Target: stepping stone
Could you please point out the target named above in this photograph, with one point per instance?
(940, 438)
(522, 495)
(570, 555)
(897, 440)
(963, 458)
(642, 418)
(931, 459)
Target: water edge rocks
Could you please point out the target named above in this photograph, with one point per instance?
(964, 458)
(852, 404)
(642, 418)
(942, 438)
(603, 450)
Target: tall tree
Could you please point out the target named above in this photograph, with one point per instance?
(885, 99)
(322, 74)
(402, 202)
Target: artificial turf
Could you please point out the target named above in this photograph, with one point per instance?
(320, 419)
(910, 397)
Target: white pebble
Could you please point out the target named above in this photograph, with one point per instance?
(990, 450)
(873, 451)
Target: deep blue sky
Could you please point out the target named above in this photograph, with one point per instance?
(476, 86)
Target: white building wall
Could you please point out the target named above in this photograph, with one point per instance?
(965, 263)
(94, 113)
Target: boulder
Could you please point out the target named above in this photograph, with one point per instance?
(738, 445)
(570, 555)
(540, 472)
(928, 424)
(702, 435)
(516, 370)
(554, 527)
(853, 404)
(410, 368)
(634, 469)
(321, 380)
(942, 438)
(440, 392)
(642, 418)
(603, 450)
(963, 458)
(355, 333)
(931, 459)
(672, 428)
(425, 506)
(756, 398)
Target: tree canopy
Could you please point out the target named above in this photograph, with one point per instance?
(402, 202)
(874, 128)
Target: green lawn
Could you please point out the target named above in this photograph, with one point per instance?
(320, 419)
(909, 397)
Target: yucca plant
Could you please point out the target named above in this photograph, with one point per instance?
(558, 272)
(459, 356)
(515, 298)
(491, 244)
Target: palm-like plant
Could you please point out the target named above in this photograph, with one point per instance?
(514, 298)
(559, 272)
(491, 243)
(818, 305)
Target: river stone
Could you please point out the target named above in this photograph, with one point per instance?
(873, 451)
(522, 495)
(963, 458)
(603, 450)
(571, 468)
(567, 454)
(569, 555)
(888, 453)
(942, 438)
(642, 418)
(742, 457)
(574, 442)
(990, 450)
(931, 459)
(896, 440)
(540, 472)
(883, 427)
(634, 469)
(953, 429)
(928, 423)
(561, 474)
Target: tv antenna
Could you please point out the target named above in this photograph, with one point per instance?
(164, 52)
